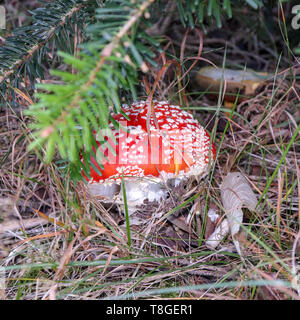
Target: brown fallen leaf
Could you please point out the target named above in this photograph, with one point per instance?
(53, 221)
(41, 236)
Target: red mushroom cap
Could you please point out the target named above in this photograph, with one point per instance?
(179, 146)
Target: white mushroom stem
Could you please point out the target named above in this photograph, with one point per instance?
(138, 190)
(218, 235)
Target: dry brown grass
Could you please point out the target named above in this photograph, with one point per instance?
(57, 242)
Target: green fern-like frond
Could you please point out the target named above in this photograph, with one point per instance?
(67, 114)
(24, 52)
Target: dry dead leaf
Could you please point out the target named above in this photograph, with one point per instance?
(236, 193)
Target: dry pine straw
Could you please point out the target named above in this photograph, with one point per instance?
(31, 191)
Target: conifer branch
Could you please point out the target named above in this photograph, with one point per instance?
(125, 29)
(106, 52)
(37, 41)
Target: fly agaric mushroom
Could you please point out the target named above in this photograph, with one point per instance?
(150, 153)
